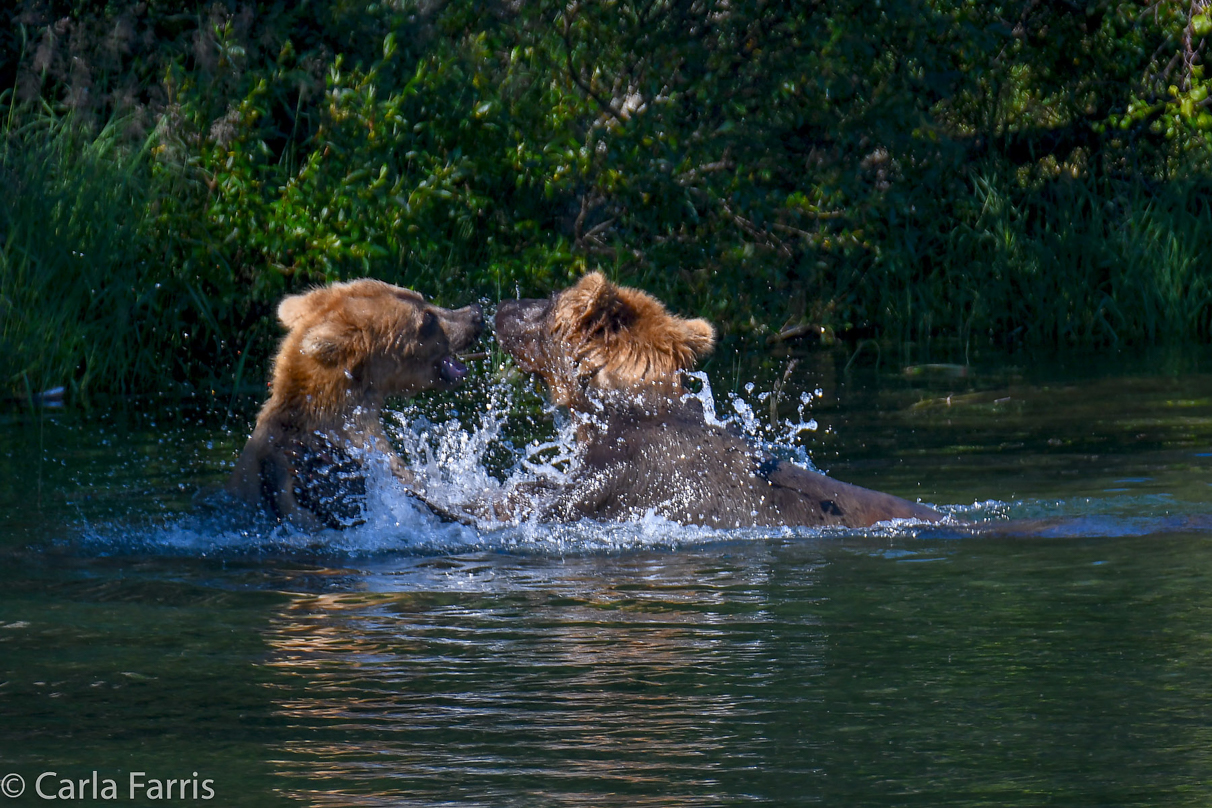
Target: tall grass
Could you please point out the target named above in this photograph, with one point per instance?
(1071, 262)
(75, 280)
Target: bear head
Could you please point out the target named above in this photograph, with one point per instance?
(596, 340)
(355, 343)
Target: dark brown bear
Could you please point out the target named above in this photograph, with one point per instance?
(614, 356)
(348, 347)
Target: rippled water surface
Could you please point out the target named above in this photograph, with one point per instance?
(1058, 654)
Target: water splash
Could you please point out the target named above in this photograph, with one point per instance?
(394, 523)
(458, 461)
(780, 438)
(452, 461)
(508, 444)
(126, 483)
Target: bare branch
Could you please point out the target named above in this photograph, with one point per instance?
(575, 74)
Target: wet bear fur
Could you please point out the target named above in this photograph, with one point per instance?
(347, 348)
(615, 357)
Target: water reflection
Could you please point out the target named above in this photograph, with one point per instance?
(570, 683)
(843, 672)
(401, 665)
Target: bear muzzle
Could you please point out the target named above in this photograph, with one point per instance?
(462, 329)
(519, 326)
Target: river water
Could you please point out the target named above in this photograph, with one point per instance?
(1058, 653)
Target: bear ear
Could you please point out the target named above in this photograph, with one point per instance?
(594, 297)
(325, 343)
(294, 308)
(700, 337)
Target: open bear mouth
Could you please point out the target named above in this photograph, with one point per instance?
(451, 370)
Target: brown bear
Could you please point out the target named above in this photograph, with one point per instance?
(615, 357)
(347, 348)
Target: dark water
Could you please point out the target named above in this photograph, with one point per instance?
(903, 667)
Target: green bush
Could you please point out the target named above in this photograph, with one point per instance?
(981, 171)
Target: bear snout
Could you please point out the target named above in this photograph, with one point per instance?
(468, 323)
(477, 317)
(520, 322)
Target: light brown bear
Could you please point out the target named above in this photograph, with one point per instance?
(348, 347)
(615, 357)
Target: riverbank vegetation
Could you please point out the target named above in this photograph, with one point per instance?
(1014, 173)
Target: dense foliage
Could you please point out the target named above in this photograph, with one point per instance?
(1007, 171)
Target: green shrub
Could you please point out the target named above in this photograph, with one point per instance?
(903, 171)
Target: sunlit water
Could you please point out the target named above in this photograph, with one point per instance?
(411, 662)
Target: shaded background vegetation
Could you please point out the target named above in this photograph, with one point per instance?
(987, 172)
